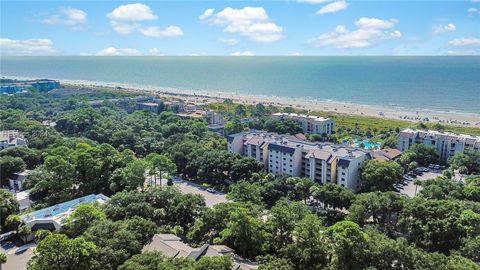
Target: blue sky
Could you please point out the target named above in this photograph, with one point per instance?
(301, 27)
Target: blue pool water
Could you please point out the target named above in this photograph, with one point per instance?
(368, 145)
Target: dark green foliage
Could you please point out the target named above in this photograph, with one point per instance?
(380, 175)
(467, 162)
(8, 206)
(58, 252)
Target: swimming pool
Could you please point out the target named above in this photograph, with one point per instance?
(368, 144)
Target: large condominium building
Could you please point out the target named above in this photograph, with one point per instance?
(285, 155)
(447, 144)
(309, 123)
(11, 138)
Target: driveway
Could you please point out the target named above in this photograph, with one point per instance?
(411, 189)
(186, 186)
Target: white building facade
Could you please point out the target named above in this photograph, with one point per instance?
(284, 155)
(447, 144)
(309, 123)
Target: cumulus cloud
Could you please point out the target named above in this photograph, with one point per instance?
(228, 41)
(207, 13)
(132, 12)
(154, 31)
(333, 7)
(463, 52)
(250, 22)
(70, 17)
(126, 19)
(112, 51)
(244, 53)
(155, 51)
(473, 11)
(34, 46)
(295, 54)
(442, 28)
(465, 41)
(370, 31)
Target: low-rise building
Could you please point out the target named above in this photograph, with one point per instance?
(387, 154)
(309, 123)
(287, 155)
(219, 129)
(11, 138)
(447, 144)
(149, 106)
(53, 217)
(214, 118)
(172, 246)
(17, 180)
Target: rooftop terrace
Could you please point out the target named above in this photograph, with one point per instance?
(62, 208)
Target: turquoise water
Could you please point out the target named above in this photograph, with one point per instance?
(433, 83)
(368, 145)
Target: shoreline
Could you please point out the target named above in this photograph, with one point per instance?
(201, 96)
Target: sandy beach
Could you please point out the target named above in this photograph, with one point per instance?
(199, 96)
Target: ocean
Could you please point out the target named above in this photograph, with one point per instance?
(447, 84)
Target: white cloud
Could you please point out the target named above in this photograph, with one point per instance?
(154, 31)
(198, 54)
(250, 22)
(473, 11)
(155, 51)
(375, 23)
(442, 28)
(463, 52)
(73, 18)
(228, 41)
(126, 19)
(244, 53)
(132, 12)
(112, 51)
(465, 41)
(295, 54)
(314, 1)
(207, 13)
(369, 32)
(333, 7)
(34, 46)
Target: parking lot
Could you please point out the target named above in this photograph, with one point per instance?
(411, 189)
(17, 254)
(188, 187)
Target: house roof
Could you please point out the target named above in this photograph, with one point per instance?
(63, 208)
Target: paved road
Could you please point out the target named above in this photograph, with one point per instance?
(188, 187)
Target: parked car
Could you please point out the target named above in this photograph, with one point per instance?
(437, 167)
(211, 190)
(6, 236)
(430, 166)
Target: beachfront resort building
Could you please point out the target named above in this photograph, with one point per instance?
(11, 138)
(309, 123)
(53, 217)
(172, 246)
(287, 155)
(447, 144)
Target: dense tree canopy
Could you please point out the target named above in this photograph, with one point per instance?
(380, 175)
